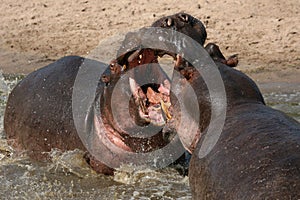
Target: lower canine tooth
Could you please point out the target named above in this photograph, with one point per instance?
(165, 108)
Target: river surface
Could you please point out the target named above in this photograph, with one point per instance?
(67, 176)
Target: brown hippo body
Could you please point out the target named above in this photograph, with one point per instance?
(39, 115)
(257, 155)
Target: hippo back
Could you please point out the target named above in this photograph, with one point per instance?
(38, 115)
(256, 157)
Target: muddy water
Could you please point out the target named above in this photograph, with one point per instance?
(69, 177)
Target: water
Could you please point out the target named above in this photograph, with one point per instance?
(68, 176)
(288, 102)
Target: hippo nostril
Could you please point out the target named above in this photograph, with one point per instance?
(184, 17)
(168, 22)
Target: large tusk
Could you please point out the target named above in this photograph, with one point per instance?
(133, 55)
(134, 87)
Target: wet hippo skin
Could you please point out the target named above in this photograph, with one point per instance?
(38, 115)
(258, 153)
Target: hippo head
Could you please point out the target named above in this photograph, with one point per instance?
(138, 71)
(135, 97)
(238, 87)
(137, 92)
(239, 90)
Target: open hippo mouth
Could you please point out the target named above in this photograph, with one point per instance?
(145, 92)
(149, 88)
(153, 101)
(149, 84)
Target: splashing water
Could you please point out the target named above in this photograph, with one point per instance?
(68, 176)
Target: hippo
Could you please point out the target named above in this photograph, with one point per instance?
(257, 154)
(38, 115)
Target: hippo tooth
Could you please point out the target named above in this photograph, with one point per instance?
(167, 85)
(140, 56)
(142, 105)
(165, 108)
(178, 60)
(133, 55)
(133, 87)
(169, 21)
(123, 68)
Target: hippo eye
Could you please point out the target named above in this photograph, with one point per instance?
(184, 17)
(168, 22)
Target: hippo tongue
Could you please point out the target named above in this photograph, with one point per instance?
(153, 97)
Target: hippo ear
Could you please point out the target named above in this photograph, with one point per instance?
(232, 61)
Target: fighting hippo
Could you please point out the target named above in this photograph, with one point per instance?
(39, 117)
(257, 155)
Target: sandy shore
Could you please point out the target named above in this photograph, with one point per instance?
(264, 33)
